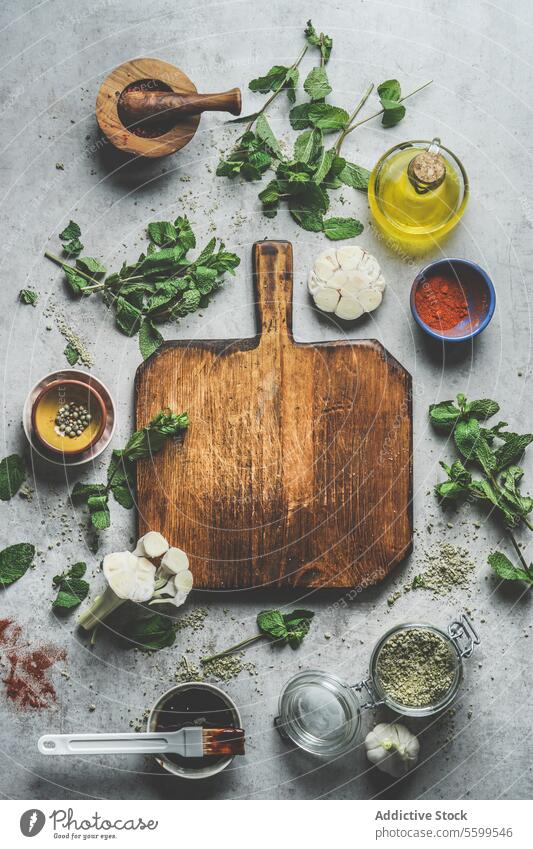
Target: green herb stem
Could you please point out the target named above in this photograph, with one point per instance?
(381, 111)
(518, 550)
(274, 93)
(234, 648)
(73, 268)
(354, 114)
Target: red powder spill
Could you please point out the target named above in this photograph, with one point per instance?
(441, 303)
(28, 682)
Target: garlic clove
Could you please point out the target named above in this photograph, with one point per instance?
(349, 257)
(326, 299)
(175, 561)
(326, 264)
(370, 299)
(353, 284)
(348, 308)
(152, 544)
(184, 581)
(129, 577)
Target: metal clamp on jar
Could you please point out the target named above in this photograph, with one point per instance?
(321, 714)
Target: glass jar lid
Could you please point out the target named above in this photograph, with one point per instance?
(319, 712)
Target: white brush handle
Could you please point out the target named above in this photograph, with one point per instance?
(187, 742)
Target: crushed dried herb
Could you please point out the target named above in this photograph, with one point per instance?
(416, 667)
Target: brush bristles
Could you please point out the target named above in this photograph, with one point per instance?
(223, 741)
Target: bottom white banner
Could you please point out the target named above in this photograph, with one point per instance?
(257, 824)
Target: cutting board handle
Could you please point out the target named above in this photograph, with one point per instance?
(272, 268)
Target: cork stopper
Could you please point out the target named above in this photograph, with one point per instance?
(427, 170)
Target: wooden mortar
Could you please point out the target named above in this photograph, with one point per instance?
(147, 107)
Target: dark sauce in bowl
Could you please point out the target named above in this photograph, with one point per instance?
(194, 706)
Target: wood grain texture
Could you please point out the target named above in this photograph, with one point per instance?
(296, 470)
(107, 108)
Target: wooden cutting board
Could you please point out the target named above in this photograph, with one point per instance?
(296, 470)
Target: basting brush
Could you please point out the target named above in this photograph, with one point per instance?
(187, 742)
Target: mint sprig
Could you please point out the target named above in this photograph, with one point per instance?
(494, 452)
(280, 628)
(146, 442)
(303, 181)
(164, 284)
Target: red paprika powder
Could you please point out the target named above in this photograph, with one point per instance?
(441, 303)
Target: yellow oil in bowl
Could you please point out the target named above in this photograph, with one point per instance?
(417, 193)
(68, 417)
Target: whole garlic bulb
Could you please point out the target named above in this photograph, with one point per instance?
(346, 281)
(392, 748)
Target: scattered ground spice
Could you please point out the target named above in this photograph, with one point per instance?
(416, 667)
(194, 619)
(221, 669)
(28, 683)
(441, 303)
(446, 567)
(86, 358)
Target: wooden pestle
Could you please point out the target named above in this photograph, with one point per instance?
(150, 106)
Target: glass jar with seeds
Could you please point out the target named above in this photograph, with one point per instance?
(415, 670)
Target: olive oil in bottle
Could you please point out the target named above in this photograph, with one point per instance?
(417, 193)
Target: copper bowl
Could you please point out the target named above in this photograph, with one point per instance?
(95, 400)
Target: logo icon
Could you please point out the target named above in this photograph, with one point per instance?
(32, 822)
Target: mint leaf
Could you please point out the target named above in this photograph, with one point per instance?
(515, 445)
(271, 622)
(71, 231)
(299, 116)
(271, 81)
(128, 317)
(14, 562)
(76, 282)
(342, 228)
(71, 354)
(390, 90)
(101, 519)
(83, 491)
(308, 145)
(326, 117)
(150, 339)
(264, 132)
(150, 633)
(324, 165)
(444, 415)
(317, 84)
(90, 266)
(482, 409)
(355, 176)
(12, 476)
(28, 296)
(309, 220)
(503, 567)
(323, 42)
(72, 589)
(162, 233)
(185, 237)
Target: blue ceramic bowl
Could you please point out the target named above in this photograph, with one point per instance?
(478, 290)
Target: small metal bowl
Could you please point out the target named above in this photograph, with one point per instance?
(212, 765)
(88, 454)
(80, 391)
(478, 290)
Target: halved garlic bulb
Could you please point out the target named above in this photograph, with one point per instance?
(346, 281)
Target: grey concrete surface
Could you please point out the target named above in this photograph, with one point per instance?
(54, 56)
